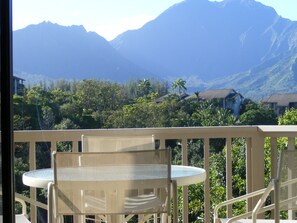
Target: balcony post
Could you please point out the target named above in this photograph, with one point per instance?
(257, 161)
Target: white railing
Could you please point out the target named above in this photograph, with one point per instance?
(254, 135)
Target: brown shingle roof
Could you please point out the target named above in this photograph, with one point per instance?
(281, 99)
(215, 94)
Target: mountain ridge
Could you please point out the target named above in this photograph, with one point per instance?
(60, 52)
(243, 30)
(277, 75)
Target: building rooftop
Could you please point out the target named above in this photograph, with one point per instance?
(215, 94)
(281, 99)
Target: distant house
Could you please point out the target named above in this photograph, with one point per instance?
(228, 98)
(280, 103)
(18, 85)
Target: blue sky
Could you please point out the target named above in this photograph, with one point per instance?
(109, 17)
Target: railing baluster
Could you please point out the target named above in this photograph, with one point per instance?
(291, 175)
(53, 146)
(184, 144)
(74, 146)
(32, 166)
(274, 156)
(207, 182)
(273, 168)
(248, 163)
(228, 176)
(162, 143)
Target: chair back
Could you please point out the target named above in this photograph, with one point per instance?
(116, 143)
(284, 186)
(287, 177)
(133, 182)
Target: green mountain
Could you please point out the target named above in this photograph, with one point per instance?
(49, 50)
(203, 40)
(277, 75)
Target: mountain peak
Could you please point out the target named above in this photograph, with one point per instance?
(248, 4)
(68, 52)
(193, 35)
(55, 27)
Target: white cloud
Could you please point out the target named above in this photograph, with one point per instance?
(113, 28)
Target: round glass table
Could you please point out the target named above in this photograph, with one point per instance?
(183, 175)
(180, 175)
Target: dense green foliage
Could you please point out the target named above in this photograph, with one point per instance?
(256, 114)
(289, 118)
(100, 104)
(91, 104)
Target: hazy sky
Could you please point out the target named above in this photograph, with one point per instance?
(109, 17)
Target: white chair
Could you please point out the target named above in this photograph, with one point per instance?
(85, 184)
(19, 218)
(116, 143)
(285, 193)
(95, 143)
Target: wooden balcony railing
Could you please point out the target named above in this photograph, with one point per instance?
(254, 135)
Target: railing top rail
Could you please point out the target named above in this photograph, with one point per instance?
(278, 130)
(168, 133)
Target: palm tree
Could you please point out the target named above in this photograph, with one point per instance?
(179, 84)
(197, 93)
(144, 87)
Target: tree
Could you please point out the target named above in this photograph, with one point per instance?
(48, 118)
(289, 118)
(259, 116)
(144, 87)
(66, 124)
(22, 118)
(209, 114)
(141, 114)
(197, 93)
(247, 105)
(179, 84)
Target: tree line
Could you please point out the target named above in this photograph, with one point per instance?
(91, 104)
